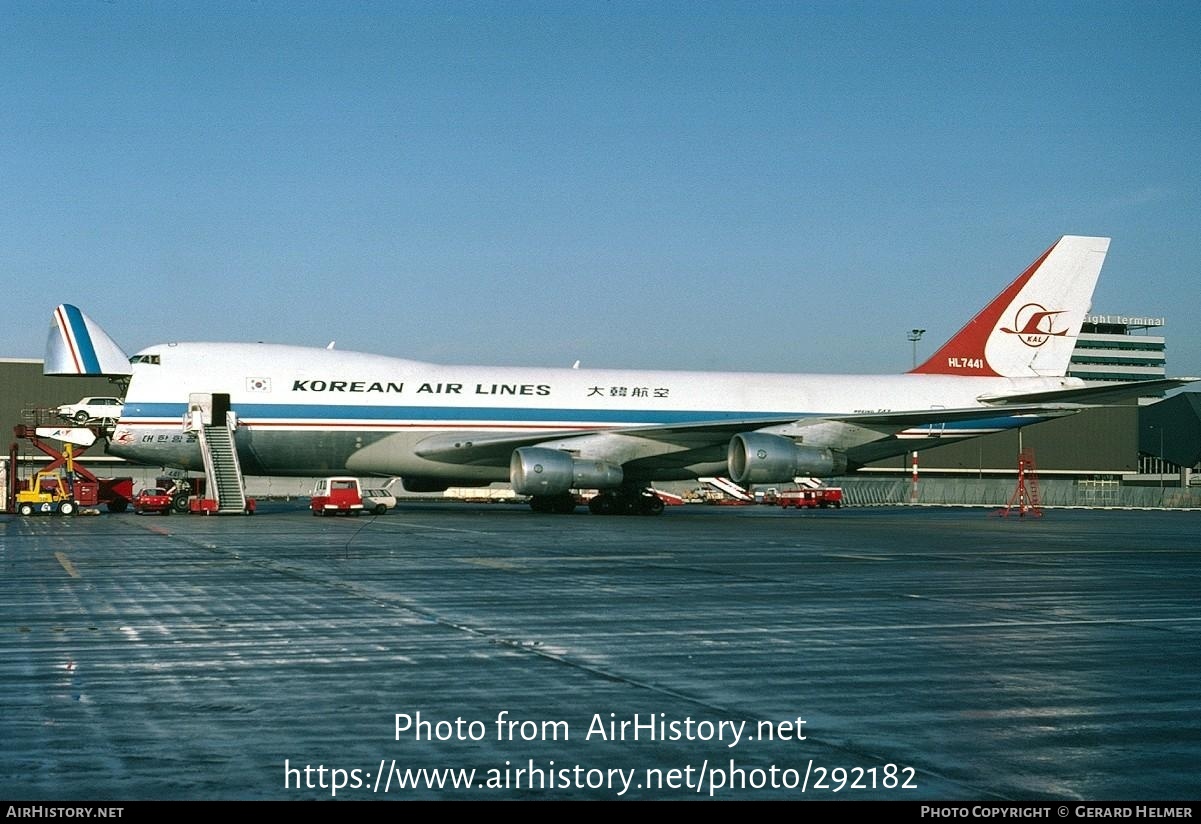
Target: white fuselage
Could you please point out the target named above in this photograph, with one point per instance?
(303, 411)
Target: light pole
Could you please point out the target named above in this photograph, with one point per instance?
(913, 336)
(1159, 468)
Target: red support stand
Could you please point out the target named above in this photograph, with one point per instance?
(1025, 498)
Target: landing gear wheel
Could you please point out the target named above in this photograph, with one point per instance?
(652, 504)
(626, 502)
(602, 503)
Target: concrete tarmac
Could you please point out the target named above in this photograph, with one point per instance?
(455, 651)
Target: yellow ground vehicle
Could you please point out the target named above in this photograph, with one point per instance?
(48, 492)
(52, 490)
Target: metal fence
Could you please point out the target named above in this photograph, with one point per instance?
(998, 492)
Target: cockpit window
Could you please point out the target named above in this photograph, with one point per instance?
(144, 359)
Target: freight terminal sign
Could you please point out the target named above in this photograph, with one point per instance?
(1125, 320)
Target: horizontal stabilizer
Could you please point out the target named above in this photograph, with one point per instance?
(1096, 394)
(78, 346)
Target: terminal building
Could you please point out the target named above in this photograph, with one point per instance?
(1119, 348)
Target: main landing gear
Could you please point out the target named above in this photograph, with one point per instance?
(626, 502)
(632, 501)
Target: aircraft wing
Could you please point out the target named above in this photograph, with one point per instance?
(836, 431)
(495, 450)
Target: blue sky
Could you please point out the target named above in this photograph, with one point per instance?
(696, 185)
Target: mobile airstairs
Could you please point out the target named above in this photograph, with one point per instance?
(214, 423)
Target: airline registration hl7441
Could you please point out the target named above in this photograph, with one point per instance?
(313, 411)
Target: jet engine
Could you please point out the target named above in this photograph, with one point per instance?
(534, 470)
(758, 458)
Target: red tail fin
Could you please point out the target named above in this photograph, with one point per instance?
(1030, 328)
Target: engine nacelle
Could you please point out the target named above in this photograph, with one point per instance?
(534, 470)
(760, 458)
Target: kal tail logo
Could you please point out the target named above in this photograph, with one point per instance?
(1035, 325)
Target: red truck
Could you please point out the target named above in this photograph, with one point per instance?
(337, 495)
(821, 497)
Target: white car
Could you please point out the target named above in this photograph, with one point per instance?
(378, 501)
(91, 409)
